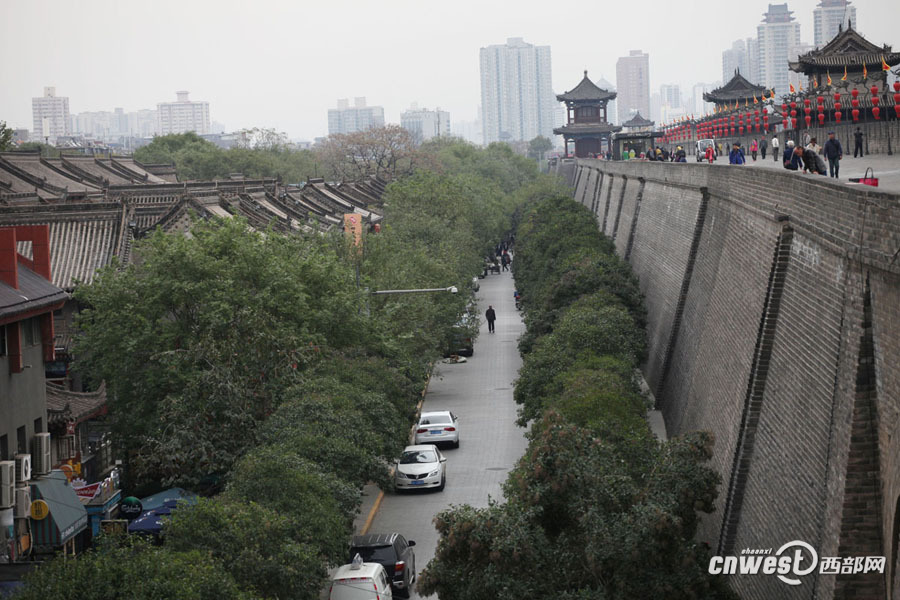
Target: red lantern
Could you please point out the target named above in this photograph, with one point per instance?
(806, 102)
(820, 101)
(897, 86)
(793, 123)
(808, 120)
(821, 119)
(854, 92)
(875, 100)
(855, 113)
(897, 97)
(876, 112)
(837, 106)
(874, 90)
(837, 97)
(837, 116)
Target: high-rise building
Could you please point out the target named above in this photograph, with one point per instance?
(698, 106)
(794, 78)
(183, 115)
(633, 85)
(829, 17)
(778, 34)
(425, 124)
(517, 96)
(50, 116)
(359, 117)
(612, 116)
(743, 56)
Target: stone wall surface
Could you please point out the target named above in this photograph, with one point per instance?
(774, 322)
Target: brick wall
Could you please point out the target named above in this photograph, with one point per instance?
(760, 331)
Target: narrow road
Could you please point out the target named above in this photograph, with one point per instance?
(480, 393)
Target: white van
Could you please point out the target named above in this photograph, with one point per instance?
(360, 581)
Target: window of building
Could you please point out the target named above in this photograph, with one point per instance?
(2, 340)
(21, 440)
(32, 331)
(39, 425)
(4, 447)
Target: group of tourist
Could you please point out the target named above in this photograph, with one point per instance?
(811, 158)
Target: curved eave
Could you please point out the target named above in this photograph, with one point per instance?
(853, 62)
(587, 130)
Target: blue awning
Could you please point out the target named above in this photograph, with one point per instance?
(160, 498)
(67, 517)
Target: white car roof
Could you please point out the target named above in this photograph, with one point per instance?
(420, 447)
(434, 412)
(366, 571)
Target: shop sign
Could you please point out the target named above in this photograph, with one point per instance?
(39, 510)
(131, 508)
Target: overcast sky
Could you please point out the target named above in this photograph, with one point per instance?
(283, 63)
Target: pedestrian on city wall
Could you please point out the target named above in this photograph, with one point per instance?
(833, 154)
(814, 146)
(788, 152)
(753, 149)
(793, 157)
(857, 142)
(775, 144)
(736, 157)
(710, 154)
(812, 162)
(763, 146)
(491, 316)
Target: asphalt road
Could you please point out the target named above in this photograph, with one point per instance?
(480, 393)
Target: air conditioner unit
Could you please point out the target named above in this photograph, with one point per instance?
(23, 468)
(23, 503)
(41, 453)
(7, 484)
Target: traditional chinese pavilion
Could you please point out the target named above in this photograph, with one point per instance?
(850, 53)
(638, 135)
(586, 125)
(739, 90)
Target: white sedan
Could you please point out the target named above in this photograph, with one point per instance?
(421, 466)
(439, 427)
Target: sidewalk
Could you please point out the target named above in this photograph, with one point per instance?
(887, 169)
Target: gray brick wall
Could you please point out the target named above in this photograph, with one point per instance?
(705, 269)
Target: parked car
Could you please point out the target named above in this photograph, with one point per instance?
(420, 467)
(360, 581)
(462, 336)
(438, 427)
(393, 552)
(702, 145)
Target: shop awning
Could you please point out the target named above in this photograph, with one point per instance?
(160, 498)
(67, 517)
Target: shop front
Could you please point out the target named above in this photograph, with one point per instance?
(59, 521)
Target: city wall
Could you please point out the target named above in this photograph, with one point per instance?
(774, 322)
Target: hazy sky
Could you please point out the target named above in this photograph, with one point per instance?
(283, 63)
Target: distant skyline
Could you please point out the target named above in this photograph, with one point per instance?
(281, 64)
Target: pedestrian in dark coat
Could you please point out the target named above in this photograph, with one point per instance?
(491, 316)
(857, 142)
(833, 154)
(736, 157)
(763, 145)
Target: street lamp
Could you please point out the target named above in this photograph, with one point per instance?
(452, 289)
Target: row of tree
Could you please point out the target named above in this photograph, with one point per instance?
(257, 367)
(598, 507)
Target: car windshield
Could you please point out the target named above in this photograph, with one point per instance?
(411, 457)
(435, 420)
(376, 554)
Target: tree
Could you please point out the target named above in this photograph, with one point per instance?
(5, 137)
(538, 147)
(578, 503)
(387, 152)
(263, 139)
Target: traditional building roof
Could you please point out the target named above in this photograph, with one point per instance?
(64, 405)
(736, 89)
(586, 91)
(847, 49)
(637, 121)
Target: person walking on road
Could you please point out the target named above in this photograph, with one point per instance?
(736, 157)
(774, 148)
(763, 145)
(753, 149)
(833, 154)
(857, 142)
(491, 316)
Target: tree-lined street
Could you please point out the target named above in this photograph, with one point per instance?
(480, 393)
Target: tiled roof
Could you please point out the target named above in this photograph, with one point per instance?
(65, 405)
(586, 90)
(34, 292)
(847, 49)
(44, 171)
(736, 89)
(586, 129)
(638, 121)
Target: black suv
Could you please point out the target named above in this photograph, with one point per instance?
(393, 552)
